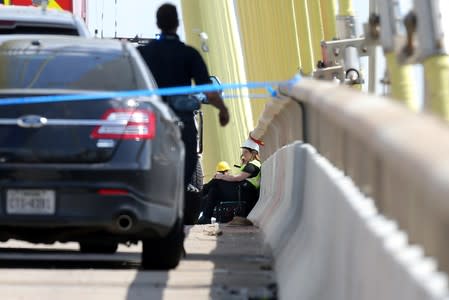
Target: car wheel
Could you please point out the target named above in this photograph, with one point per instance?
(98, 247)
(164, 253)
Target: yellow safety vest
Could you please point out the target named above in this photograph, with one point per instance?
(255, 181)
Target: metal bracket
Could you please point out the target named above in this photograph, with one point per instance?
(330, 73)
(333, 67)
(333, 51)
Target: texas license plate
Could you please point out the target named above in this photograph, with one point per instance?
(30, 202)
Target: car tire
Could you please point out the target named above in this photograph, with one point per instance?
(164, 253)
(98, 247)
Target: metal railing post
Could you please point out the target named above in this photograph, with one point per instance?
(432, 33)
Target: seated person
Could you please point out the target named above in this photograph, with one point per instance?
(222, 168)
(228, 187)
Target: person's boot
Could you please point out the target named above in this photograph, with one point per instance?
(208, 210)
(203, 220)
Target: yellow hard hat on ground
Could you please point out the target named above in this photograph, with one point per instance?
(223, 166)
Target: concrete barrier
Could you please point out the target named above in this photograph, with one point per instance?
(275, 212)
(329, 240)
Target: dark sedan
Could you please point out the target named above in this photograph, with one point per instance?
(78, 167)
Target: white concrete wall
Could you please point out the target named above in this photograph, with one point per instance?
(330, 242)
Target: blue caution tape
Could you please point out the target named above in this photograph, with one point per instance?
(290, 83)
(272, 91)
(160, 92)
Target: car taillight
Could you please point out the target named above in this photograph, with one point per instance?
(112, 192)
(141, 124)
(7, 24)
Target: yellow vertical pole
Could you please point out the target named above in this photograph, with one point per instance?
(192, 21)
(267, 28)
(244, 36)
(402, 83)
(296, 37)
(225, 60)
(436, 76)
(328, 17)
(316, 28)
(305, 36)
(345, 8)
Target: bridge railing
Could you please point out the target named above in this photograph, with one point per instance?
(398, 158)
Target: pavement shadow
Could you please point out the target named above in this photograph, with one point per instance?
(23, 258)
(222, 262)
(242, 265)
(146, 284)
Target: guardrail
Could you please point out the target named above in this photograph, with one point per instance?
(329, 241)
(396, 157)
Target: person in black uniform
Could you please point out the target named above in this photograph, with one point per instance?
(174, 63)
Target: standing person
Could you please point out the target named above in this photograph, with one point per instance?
(172, 64)
(227, 187)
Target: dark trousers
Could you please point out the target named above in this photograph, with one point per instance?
(221, 191)
(190, 139)
(216, 191)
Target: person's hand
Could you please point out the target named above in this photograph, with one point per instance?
(223, 116)
(216, 101)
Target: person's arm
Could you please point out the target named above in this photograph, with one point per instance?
(249, 171)
(215, 100)
(228, 177)
(201, 76)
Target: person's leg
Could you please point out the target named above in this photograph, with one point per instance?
(220, 191)
(228, 190)
(189, 137)
(250, 195)
(210, 203)
(254, 196)
(205, 192)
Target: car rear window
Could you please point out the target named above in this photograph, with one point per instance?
(39, 30)
(66, 69)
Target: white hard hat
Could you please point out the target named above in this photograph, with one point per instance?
(250, 144)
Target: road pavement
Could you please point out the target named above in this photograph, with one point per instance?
(222, 262)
